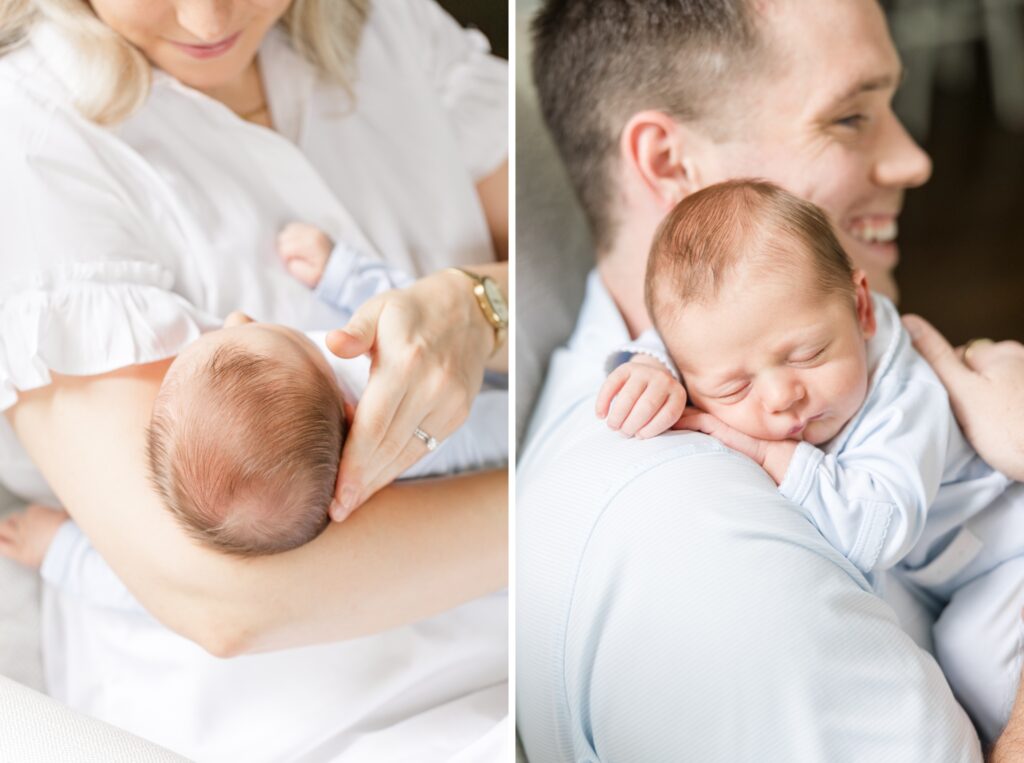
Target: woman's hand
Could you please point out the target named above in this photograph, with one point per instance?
(986, 389)
(429, 345)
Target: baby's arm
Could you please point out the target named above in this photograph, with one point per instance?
(340, 274)
(46, 539)
(774, 456)
(642, 395)
(870, 497)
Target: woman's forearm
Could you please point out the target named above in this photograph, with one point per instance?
(413, 551)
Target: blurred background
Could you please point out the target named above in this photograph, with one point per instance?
(489, 16)
(962, 234)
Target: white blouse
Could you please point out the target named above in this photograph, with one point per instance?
(118, 246)
(170, 218)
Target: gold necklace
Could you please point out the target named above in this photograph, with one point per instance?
(252, 113)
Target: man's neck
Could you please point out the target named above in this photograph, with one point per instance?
(622, 273)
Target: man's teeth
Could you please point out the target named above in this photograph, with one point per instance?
(871, 233)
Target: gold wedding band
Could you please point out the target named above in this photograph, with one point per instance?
(427, 440)
(970, 346)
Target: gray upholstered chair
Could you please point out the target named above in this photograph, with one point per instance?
(553, 250)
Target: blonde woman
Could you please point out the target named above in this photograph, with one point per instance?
(149, 155)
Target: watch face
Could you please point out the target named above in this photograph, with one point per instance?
(497, 300)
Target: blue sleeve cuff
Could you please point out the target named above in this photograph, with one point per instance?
(351, 277)
(55, 567)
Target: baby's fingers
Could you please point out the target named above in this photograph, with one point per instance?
(615, 381)
(663, 420)
(694, 420)
(644, 409)
(623, 404)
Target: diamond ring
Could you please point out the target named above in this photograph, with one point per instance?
(429, 441)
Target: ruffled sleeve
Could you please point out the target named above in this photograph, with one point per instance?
(85, 285)
(471, 83)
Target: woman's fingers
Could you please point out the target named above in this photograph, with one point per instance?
(414, 450)
(396, 441)
(429, 406)
(365, 443)
(358, 336)
(939, 353)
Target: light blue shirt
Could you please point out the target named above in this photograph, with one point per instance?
(672, 605)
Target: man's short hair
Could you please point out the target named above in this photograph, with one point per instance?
(597, 62)
(755, 224)
(244, 450)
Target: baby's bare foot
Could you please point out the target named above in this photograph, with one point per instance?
(304, 249)
(25, 536)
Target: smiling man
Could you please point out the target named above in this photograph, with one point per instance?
(671, 605)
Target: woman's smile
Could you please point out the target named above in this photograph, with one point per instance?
(208, 51)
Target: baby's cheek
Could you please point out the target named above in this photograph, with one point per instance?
(741, 417)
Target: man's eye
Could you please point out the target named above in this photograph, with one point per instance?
(853, 121)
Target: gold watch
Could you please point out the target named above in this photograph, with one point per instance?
(492, 304)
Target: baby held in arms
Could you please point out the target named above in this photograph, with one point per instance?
(248, 426)
(790, 360)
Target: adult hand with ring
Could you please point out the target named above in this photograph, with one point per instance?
(985, 381)
(429, 441)
(428, 345)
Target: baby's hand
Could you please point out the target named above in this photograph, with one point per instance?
(25, 536)
(772, 455)
(641, 398)
(304, 249)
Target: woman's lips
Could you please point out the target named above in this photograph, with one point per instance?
(208, 51)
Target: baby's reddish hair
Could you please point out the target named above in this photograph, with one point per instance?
(244, 450)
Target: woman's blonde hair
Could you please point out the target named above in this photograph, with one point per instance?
(111, 77)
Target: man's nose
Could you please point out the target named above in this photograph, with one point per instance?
(781, 391)
(900, 162)
(209, 20)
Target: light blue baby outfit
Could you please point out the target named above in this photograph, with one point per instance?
(901, 486)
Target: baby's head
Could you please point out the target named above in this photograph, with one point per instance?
(761, 310)
(246, 437)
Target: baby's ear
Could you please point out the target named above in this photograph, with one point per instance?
(865, 306)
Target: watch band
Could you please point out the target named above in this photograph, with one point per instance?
(494, 314)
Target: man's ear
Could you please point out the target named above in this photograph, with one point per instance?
(658, 151)
(865, 306)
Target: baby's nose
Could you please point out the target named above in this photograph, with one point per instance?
(782, 394)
